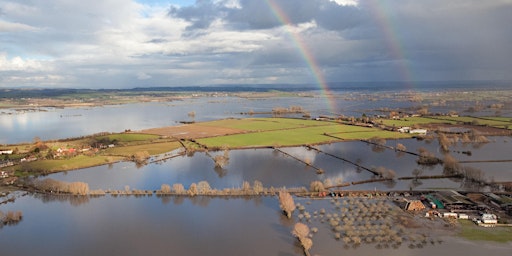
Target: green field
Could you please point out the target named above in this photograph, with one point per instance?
(299, 136)
(497, 122)
(471, 231)
(151, 148)
(77, 162)
(129, 137)
(263, 124)
(410, 121)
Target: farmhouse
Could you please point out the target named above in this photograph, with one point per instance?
(455, 201)
(414, 205)
(6, 151)
(488, 218)
(404, 129)
(419, 131)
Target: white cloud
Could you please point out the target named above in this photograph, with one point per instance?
(19, 64)
(6, 26)
(345, 2)
(143, 76)
(108, 43)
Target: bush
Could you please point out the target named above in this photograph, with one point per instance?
(286, 203)
(165, 188)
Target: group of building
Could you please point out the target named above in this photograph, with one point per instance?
(452, 204)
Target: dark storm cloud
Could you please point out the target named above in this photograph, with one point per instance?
(122, 43)
(260, 15)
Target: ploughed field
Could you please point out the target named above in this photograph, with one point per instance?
(258, 132)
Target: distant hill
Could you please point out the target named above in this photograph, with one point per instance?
(339, 86)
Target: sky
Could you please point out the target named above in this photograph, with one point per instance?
(147, 43)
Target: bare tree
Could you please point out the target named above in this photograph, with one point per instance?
(178, 188)
(221, 160)
(444, 142)
(192, 190)
(141, 157)
(316, 186)
(257, 187)
(301, 231)
(165, 188)
(286, 203)
(203, 187)
(451, 165)
(400, 147)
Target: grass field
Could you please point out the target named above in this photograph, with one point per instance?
(77, 162)
(129, 137)
(299, 136)
(263, 124)
(471, 231)
(489, 121)
(151, 148)
(410, 121)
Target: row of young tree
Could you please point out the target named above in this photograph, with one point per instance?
(10, 218)
(56, 186)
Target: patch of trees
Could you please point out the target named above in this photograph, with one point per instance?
(385, 173)
(10, 218)
(316, 186)
(56, 186)
(400, 147)
(427, 158)
(378, 144)
(221, 160)
(141, 157)
(204, 188)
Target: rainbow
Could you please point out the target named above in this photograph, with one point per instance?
(380, 14)
(305, 52)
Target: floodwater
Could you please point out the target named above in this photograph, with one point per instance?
(186, 226)
(214, 226)
(148, 226)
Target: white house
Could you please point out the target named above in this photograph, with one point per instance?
(6, 151)
(404, 129)
(463, 216)
(488, 218)
(419, 131)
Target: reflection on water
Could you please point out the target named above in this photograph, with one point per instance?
(188, 226)
(135, 226)
(275, 169)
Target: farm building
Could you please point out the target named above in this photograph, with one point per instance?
(463, 216)
(489, 219)
(434, 202)
(450, 215)
(6, 151)
(453, 200)
(414, 205)
(419, 131)
(404, 129)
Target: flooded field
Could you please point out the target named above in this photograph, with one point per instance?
(207, 226)
(129, 225)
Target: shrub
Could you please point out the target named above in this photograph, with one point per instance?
(316, 186)
(165, 188)
(178, 188)
(286, 203)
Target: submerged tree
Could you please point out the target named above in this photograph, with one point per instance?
(316, 186)
(286, 203)
(301, 231)
(165, 188)
(178, 188)
(141, 157)
(221, 160)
